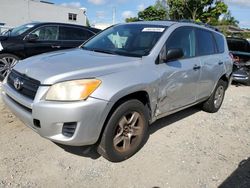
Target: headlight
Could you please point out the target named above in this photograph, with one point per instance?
(75, 90)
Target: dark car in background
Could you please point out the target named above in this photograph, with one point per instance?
(36, 38)
(240, 49)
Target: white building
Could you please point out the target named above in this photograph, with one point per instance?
(17, 12)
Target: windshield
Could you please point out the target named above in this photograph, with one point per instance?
(134, 40)
(20, 30)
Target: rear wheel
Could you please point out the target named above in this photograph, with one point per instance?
(7, 62)
(125, 132)
(214, 102)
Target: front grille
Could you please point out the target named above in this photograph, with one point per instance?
(27, 86)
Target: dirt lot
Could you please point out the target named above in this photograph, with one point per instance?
(188, 149)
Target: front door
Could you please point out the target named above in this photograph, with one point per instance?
(179, 79)
(47, 41)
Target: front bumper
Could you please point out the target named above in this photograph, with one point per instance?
(88, 115)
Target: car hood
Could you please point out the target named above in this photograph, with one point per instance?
(73, 64)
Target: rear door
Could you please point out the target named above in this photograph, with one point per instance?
(179, 78)
(73, 37)
(212, 64)
(47, 40)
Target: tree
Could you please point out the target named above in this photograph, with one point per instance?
(156, 12)
(152, 13)
(87, 22)
(207, 11)
(228, 19)
(132, 19)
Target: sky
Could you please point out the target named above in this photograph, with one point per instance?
(100, 11)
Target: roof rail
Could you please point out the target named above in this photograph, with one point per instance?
(199, 23)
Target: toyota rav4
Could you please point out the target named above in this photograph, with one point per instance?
(110, 89)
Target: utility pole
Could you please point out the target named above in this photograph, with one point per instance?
(114, 15)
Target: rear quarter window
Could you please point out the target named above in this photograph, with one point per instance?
(220, 42)
(205, 42)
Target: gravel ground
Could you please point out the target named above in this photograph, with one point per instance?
(188, 149)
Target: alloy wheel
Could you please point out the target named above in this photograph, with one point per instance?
(129, 131)
(218, 97)
(6, 64)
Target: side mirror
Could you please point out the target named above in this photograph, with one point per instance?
(31, 37)
(173, 54)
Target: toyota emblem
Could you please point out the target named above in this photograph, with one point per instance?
(18, 84)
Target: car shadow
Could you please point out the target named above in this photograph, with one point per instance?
(168, 120)
(83, 151)
(91, 152)
(240, 177)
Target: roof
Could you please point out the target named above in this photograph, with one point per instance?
(159, 23)
(65, 24)
(168, 23)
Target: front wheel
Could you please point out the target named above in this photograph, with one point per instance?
(7, 62)
(125, 131)
(214, 102)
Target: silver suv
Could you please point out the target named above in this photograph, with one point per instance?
(110, 89)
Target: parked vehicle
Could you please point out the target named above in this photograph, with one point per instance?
(108, 91)
(36, 38)
(240, 48)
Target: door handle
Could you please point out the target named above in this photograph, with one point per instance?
(55, 46)
(196, 67)
(220, 63)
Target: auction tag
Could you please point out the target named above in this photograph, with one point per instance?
(29, 26)
(153, 29)
(1, 47)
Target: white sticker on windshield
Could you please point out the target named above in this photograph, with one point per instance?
(29, 26)
(153, 29)
(1, 47)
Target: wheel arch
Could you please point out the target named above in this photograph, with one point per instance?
(19, 56)
(140, 95)
(226, 79)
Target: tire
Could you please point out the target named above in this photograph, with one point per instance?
(125, 132)
(215, 101)
(7, 61)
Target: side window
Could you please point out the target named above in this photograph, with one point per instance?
(205, 41)
(47, 33)
(220, 42)
(73, 33)
(183, 38)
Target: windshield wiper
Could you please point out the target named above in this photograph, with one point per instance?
(103, 51)
(99, 50)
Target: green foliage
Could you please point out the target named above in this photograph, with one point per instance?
(152, 13)
(87, 23)
(246, 35)
(207, 11)
(156, 12)
(132, 19)
(228, 19)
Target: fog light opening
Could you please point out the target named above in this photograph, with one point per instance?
(68, 129)
(37, 123)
